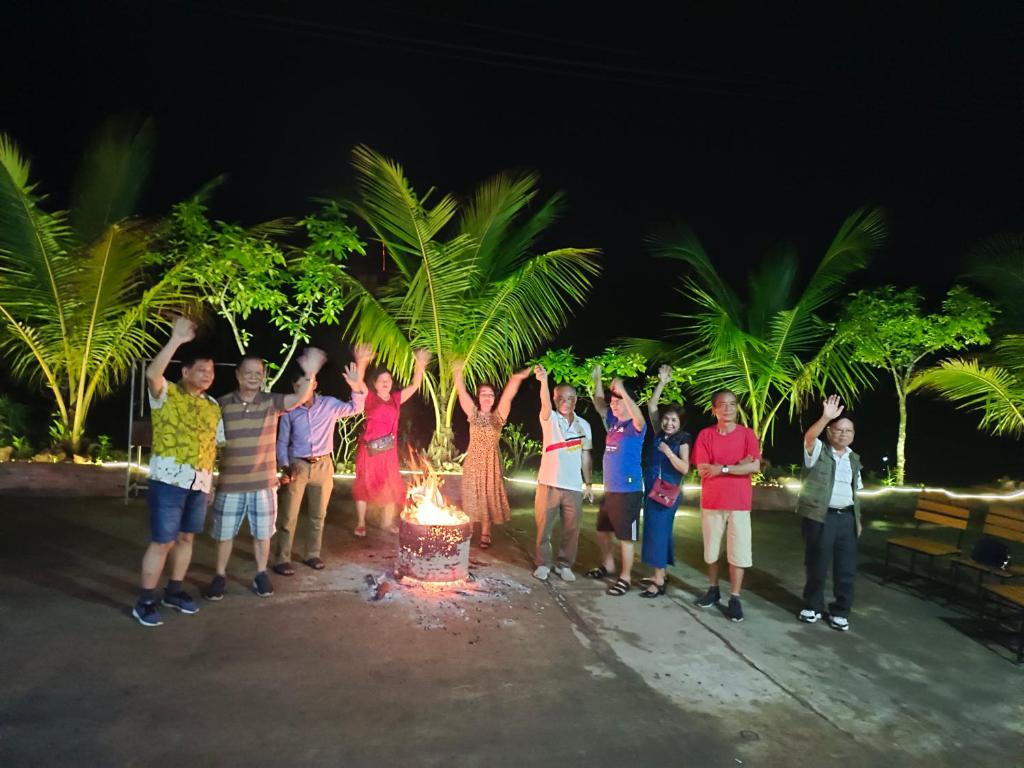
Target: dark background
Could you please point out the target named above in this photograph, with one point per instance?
(752, 123)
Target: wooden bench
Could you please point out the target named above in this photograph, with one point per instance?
(1002, 522)
(1012, 595)
(932, 509)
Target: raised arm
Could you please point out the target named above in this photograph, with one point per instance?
(422, 360)
(545, 394)
(599, 402)
(509, 393)
(618, 388)
(831, 408)
(183, 331)
(310, 361)
(664, 377)
(363, 354)
(465, 400)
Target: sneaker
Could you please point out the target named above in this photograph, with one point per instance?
(262, 584)
(180, 601)
(840, 623)
(565, 573)
(216, 589)
(807, 616)
(735, 609)
(147, 614)
(541, 572)
(711, 598)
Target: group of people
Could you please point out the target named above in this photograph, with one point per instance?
(277, 450)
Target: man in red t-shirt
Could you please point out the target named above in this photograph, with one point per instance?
(726, 455)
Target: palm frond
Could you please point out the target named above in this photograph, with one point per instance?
(110, 179)
(681, 244)
(994, 392)
(858, 238)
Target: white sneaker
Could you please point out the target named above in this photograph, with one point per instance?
(839, 622)
(541, 572)
(808, 616)
(565, 573)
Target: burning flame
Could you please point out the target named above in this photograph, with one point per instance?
(426, 506)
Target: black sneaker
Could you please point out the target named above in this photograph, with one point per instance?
(735, 609)
(262, 584)
(711, 598)
(147, 614)
(180, 601)
(216, 589)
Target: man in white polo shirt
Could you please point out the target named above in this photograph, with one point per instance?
(830, 509)
(565, 466)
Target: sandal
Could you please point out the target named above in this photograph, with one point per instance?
(619, 588)
(646, 581)
(659, 590)
(485, 540)
(315, 563)
(360, 532)
(283, 569)
(600, 572)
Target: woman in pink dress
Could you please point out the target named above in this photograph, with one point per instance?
(483, 480)
(378, 480)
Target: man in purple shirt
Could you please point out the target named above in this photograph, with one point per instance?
(305, 446)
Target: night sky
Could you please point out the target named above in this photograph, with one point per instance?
(751, 125)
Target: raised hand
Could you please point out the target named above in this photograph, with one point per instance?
(596, 373)
(363, 353)
(665, 374)
(832, 407)
(422, 357)
(523, 374)
(540, 374)
(183, 330)
(351, 374)
(312, 360)
(617, 387)
(457, 367)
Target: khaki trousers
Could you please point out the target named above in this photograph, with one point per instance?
(314, 482)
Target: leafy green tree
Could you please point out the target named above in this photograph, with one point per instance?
(772, 347)
(991, 383)
(564, 367)
(80, 293)
(469, 282)
(887, 329)
(239, 272)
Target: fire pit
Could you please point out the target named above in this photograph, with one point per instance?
(433, 538)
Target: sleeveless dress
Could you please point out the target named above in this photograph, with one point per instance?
(483, 483)
(378, 480)
(658, 519)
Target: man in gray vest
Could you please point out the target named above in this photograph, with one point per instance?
(831, 515)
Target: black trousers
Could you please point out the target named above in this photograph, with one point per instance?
(833, 541)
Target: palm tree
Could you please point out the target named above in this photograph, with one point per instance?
(469, 284)
(773, 348)
(76, 302)
(991, 383)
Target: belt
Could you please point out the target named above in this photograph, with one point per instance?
(314, 459)
(841, 510)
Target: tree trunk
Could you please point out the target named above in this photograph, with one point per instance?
(901, 435)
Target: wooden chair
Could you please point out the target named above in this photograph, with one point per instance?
(1013, 596)
(1002, 522)
(932, 509)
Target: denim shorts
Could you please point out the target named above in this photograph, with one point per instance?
(229, 509)
(174, 510)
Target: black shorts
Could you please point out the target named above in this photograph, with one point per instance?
(620, 514)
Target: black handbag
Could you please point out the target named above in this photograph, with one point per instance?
(991, 552)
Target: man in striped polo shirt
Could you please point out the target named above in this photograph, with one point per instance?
(248, 466)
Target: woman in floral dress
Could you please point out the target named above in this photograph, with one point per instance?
(483, 483)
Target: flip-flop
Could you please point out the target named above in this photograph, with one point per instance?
(315, 563)
(600, 572)
(485, 541)
(360, 532)
(283, 569)
(619, 588)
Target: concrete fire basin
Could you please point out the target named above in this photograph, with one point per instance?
(434, 552)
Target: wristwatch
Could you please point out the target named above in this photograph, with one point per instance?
(725, 469)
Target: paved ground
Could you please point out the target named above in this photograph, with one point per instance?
(508, 671)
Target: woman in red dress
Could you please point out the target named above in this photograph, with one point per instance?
(378, 480)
